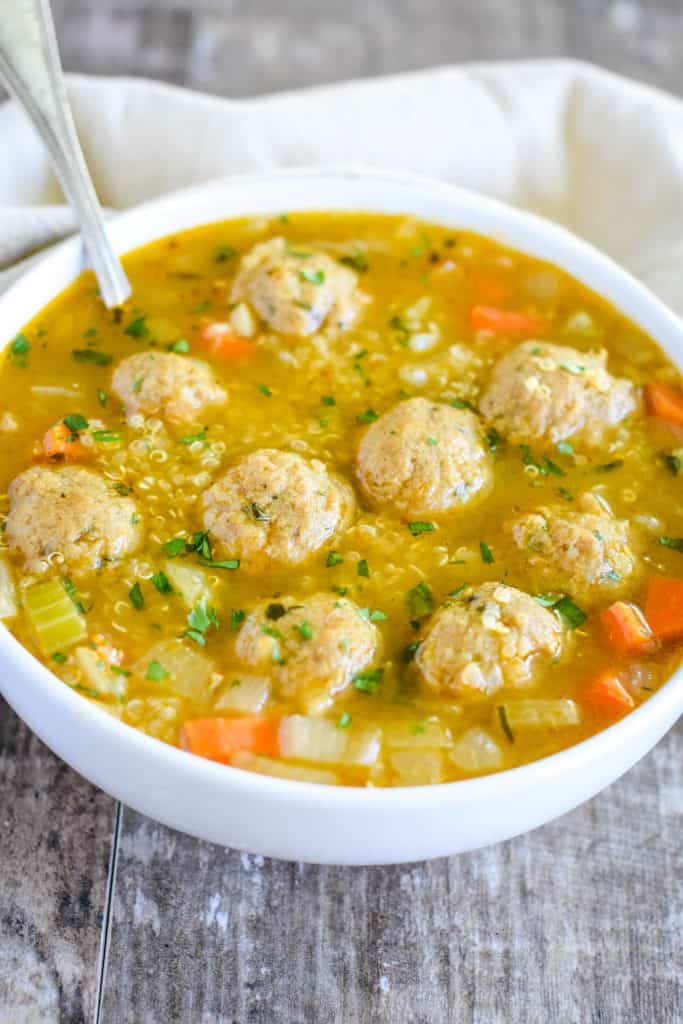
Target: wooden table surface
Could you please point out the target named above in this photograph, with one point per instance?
(108, 916)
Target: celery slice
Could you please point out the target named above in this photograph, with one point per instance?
(8, 597)
(532, 715)
(190, 582)
(54, 617)
(246, 695)
(267, 766)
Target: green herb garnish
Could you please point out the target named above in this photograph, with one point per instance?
(369, 416)
(363, 569)
(421, 600)
(368, 682)
(486, 553)
(136, 598)
(200, 620)
(333, 558)
(419, 526)
(91, 355)
(137, 328)
(162, 582)
(156, 672)
(675, 543)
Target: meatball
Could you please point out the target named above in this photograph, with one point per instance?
(585, 551)
(312, 649)
(423, 458)
(274, 507)
(491, 636)
(73, 511)
(544, 392)
(174, 387)
(296, 289)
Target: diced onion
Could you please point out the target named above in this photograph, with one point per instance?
(477, 751)
(417, 734)
(98, 674)
(8, 599)
(189, 671)
(242, 320)
(318, 739)
(190, 582)
(417, 767)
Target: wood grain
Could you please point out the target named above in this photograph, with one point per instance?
(577, 922)
(55, 841)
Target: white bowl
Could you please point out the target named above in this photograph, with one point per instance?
(297, 820)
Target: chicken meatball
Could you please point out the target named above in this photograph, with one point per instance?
(422, 458)
(585, 551)
(296, 289)
(177, 388)
(73, 511)
(543, 392)
(491, 636)
(312, 649)
(274, 507)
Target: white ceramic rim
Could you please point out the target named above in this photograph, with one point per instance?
(378, 191)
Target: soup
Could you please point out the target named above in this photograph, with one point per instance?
(344, 498)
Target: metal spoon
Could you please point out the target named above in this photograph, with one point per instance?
(30, 67)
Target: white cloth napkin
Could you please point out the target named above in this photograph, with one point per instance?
(601, 154)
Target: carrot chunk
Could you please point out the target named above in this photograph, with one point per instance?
(625, 629)
(60, 442)
(220, 738)
(506, 322)
(664, 607)
(665, 403)
(607, 696)
(220, 340)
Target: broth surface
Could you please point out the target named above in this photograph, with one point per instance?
(318, 396)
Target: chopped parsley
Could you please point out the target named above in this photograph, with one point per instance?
(564, 493)
(312, 276)
(75, 422)
(91, 355)
(675, 543)
(200, 620)
(369, 416)
(486, 553)
(357, 261)
(106, 436)
(333, 558)
(458, 590)
(162, 582)
(181, 346)
(410, 650)
(136, 598)
(362, 568)
(20, 348)
(328, 400)
(59, 657)
(191, 438)
(224, 253)
(419, 526)
(672, 463)
(545, 467)
(174, 546)
(368, 682)
(401, 330)
(70, 588)
(462, 403)
(156, 672)
(137, 328)
(257, 512)
(344, 720)
(504, 723)
(305, 630)
(493, 439)
(265, 390)
(571, 615)
(432, 441)
(421, 600)
(200, 543)
(237, 617)
(102, 396)
(607, 467)
(226, 563)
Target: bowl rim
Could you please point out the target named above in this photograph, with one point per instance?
(666, 703)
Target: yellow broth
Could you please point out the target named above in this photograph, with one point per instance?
(316, 402)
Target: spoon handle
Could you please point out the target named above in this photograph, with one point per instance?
(30, 67)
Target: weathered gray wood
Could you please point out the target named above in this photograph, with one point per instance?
(55, 839)
(242, 47)
(578, 922)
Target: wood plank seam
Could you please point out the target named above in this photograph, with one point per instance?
(107, 911)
